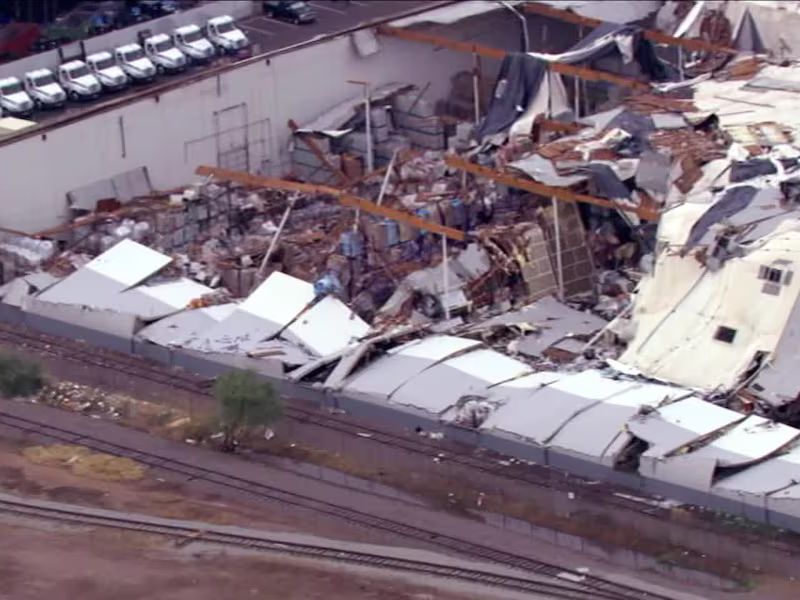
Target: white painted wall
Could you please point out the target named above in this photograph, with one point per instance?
(173, 133)
(238, 9)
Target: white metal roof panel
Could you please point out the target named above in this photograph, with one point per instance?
(385, 375)
(753, 439)
(234, 334)
(128, 263)
(438, 388)
(533, 381)
(84, 287)
(327, 327)
(435, 347)
(176, 329)
(280, 298)
(178, 293)
(593, 385)
(593, 431)
(521, 387)
(489, 366)
(772, 474)
(675, 425)
(538, 416)
(650, 394)
(441, 386)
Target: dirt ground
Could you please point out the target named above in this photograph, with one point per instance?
(99, 564)
(41, 560)
(152, 496)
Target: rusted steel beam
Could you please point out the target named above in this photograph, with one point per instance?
(658, 37)
(563, 194)
(342, 196)
(489, 52)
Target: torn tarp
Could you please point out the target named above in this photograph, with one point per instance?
(607, 39)
(517, 85)
(734, 200)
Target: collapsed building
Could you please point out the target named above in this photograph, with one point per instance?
(600, 279)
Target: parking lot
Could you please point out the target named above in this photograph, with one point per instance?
(332, 15)
(265, 34)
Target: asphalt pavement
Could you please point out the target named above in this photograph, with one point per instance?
(332, 15)
(266, 35)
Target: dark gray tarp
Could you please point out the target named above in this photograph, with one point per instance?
(638, 126)
(634, 123)
(517, 84)
(758, 167)
(653, 172)
(521, 74)
(734, 200)
(643, 51)
(605, 182)
(743, 170)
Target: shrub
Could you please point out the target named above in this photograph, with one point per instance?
(19, 377)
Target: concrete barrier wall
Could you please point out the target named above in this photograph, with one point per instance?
(198, 15)
(400, 418)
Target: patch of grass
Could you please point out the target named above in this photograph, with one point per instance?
(84, 462)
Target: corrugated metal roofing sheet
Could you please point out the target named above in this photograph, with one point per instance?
(128, 263)
(670, 427)
(435, 347)
(280, 298)
(327, 327)
(753, 439)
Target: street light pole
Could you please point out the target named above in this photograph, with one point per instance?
(367, 109)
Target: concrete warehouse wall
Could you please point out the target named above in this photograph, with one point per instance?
(238, 9)
(237, 118)
(241, 114)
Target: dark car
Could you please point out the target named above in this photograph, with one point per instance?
(157, 8)
(289, 10)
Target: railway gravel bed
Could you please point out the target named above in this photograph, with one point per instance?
(588, 584)
(188, 532)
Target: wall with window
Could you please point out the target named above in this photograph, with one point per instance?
(705, 326)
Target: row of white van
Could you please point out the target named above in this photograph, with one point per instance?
(110, 71)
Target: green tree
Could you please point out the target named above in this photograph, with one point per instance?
(245, 401)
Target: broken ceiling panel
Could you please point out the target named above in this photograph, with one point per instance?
(750, 441)
(327, 327)
(175, 330)
(541, 414)
(593, 432)
(754, 483)
(382, 377)
(440, 387)
(669, 428)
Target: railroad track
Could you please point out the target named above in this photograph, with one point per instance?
(207, 534)
(139, 367)
(590, 585)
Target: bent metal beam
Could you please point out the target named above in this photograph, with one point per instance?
(657, 37)
(342, 196)
(489, 52)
